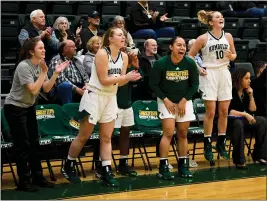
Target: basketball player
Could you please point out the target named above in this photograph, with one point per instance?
(99, 104)
(218, 50)
(125, 119)
(175, 81)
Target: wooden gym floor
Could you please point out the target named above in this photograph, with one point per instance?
(222, 181)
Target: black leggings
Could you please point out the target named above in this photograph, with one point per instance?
(236, 129)
(24, 132)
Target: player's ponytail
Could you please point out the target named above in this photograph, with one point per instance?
(202, 16)
(205, 17)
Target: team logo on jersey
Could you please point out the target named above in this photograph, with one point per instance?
(177, 76)
(114, 71)
(218, 47)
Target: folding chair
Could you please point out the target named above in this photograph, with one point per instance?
(136, 137)
(146, 120)
(53, 133)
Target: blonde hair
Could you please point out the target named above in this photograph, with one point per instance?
(60, 19)
(205, 17)
(91, 41)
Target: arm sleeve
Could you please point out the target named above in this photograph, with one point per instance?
(87, 64)
(23, 35)
(53, 42)
(24, 75)
(193, 80)
(156, 77)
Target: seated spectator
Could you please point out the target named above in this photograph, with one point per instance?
(63, 32)
(198, 58)
(259, 67)
(37, 27)
(147, 23)
(241, 119)
(146, 62)
(92, 29)
(259, 87)
(120, 23)
(241, 9)
(93, 46)
(69, 84)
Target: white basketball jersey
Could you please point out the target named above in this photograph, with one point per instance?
(213, 52)
(114, 70)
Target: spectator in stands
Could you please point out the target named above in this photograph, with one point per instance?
(92, 29)
(259, 87)
(259, 67)
(120, 23)
(242, 119)
(147, 59)
(93, 46)
(241, 9)
(70, 84)
(147, 23)
(175, 81)
(37, 27)
(198, 58)
(63, 32)
(30, 76)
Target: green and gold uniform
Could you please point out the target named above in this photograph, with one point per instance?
(174, 81)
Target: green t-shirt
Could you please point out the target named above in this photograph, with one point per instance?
(174, 81)
(124, 94)
(146, 115)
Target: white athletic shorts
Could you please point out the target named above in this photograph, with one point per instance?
(125, 118)
(189, 112)
(217, 84)
(101, 108)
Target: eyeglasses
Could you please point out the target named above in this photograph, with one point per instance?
(63, 23)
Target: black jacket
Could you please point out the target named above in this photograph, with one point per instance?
(142, 91)
(86, 34)
(140, 20)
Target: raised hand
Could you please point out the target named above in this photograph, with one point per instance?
(133, 76)
(60, 67)
(164, 17)
(133, 60)
(249, 91)
(43, 66)
(78, 31)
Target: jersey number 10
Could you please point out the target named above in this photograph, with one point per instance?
(219, 54)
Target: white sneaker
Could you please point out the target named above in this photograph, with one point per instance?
(192, 164)
(170, 167)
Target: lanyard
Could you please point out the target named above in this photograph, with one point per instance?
(147, 10)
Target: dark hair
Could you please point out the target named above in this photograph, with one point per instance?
(237, 77)
(28, 45)
(172, 41)
(61, 47)
(258, 65)
(108, 33)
